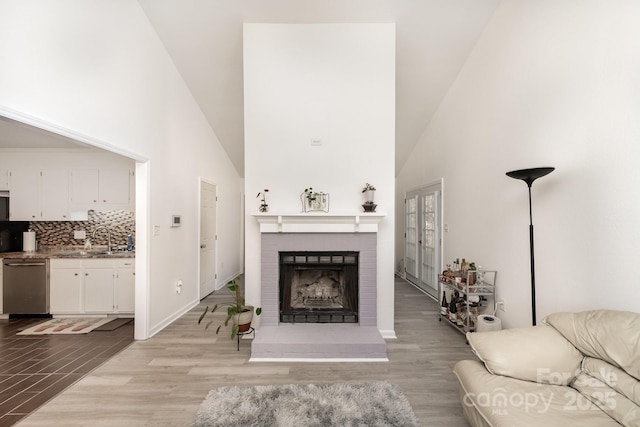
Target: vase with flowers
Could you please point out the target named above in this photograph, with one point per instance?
(264, 207)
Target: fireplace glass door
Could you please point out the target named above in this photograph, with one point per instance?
(319, 287)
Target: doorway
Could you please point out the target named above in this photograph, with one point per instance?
(208, 199)
(423, 242)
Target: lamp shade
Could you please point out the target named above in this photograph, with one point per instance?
(530, 175)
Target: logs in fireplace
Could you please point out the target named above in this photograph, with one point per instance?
(319, 287)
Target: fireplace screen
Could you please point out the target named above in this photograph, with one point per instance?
(319, 287)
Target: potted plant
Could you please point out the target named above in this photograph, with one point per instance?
(314, 200)
(264, 207)
(238, 312)
(369, 192)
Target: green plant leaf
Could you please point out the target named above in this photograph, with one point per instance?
(258, 311)
(208, 324)
(234, 331)
(218, 330)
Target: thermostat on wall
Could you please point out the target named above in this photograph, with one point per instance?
(176, 221)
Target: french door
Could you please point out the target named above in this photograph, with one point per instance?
(423, 243)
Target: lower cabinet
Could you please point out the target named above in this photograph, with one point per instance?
(65, 286)
(92, 286)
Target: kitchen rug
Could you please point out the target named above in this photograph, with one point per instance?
(75, 325)
(371, 404)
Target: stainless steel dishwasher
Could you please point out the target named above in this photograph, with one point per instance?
(25, 286)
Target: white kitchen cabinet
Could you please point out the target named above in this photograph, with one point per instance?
(84, 189)
(101, 189)
(125, 285)
(98, 286)
(92, 285)
(66, 286)
(54, 185)
(4, 179)
(39, 195)
(25, 195)
(115, 189)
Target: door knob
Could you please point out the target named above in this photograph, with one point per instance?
(202, 246)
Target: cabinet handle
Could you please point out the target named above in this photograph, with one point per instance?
(86, 274)
(75, 274)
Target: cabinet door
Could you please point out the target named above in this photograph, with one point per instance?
(4, 179)
(84, 189)
(125, 287)
(66, 287)
(23, 186)
(98, 289)
(55, 195)
(115, 187)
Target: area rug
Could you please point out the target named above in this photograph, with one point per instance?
(76, 325)
(343, 404)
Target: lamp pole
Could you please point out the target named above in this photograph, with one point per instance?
(528, 176)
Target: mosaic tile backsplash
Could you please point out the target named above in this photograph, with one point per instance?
(60, 233)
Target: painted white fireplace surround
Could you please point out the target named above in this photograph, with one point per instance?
(319, 341)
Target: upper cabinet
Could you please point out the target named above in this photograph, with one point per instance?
(39, 195)
(54, 186)
(4, 179)
(65, 185)
(24, 195)
(101, 189)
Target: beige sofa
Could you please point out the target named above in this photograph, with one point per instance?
(576, 369)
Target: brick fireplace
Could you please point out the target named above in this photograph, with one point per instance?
(329, 337)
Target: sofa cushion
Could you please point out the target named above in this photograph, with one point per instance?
(614, 391)
(536, 353)
(613, 336)
(494, 400)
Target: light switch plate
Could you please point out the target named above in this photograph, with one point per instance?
(79, 234)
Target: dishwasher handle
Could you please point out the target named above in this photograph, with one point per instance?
(24, 264)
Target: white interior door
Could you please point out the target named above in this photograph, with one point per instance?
(423, 242)
(207, 238)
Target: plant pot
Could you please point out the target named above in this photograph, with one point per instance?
(369, 196)
(243, 320)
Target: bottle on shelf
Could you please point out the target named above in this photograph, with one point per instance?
(445, 306)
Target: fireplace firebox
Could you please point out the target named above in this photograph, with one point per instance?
(319, 287)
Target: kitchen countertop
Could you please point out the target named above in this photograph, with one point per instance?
(69, 252)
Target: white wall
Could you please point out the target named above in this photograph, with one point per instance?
(336, 83)
(97, 71)
(550, 83)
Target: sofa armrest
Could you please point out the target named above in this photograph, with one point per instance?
(537, 353)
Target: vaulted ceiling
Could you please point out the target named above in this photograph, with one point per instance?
(204, 40)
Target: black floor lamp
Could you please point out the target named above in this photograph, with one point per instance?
(528, 176)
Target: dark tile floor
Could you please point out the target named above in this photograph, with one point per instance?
(35, 368)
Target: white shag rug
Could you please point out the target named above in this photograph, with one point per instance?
(367, 404)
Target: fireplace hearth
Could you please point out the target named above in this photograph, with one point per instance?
(318, 287)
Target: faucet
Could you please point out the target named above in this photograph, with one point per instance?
(93, 236)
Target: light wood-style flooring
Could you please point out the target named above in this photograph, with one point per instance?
(163, 380)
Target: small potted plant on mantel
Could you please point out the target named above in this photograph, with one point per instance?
(238, 312)
(264, 207)
(369, 192)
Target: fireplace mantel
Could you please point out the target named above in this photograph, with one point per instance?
(320, 222)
